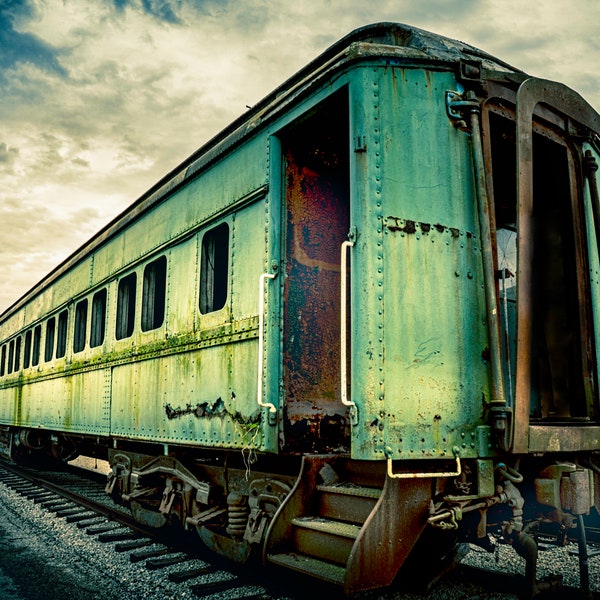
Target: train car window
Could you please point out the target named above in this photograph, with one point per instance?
(18, 353)
(35, 352)
(61, 338)
(11, 355)
(79, 332)
(50, 333)
(153, 295)
(214, 269)
(3, 361)
(126, 306)
(27, 350)
(98, 319)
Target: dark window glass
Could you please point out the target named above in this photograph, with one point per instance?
(49, 346)
(11, 355)
(126, 307)
(18, 353)
(98, 319)
(3, 361)
(214, 269)
(27, 350)
(35, 353)
(79, 331)
(61, 338)
(153, 296)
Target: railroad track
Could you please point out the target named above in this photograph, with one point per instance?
(77, 499)
(177, 568)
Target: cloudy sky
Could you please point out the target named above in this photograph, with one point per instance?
(101, 98)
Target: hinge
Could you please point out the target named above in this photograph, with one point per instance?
(360, 143)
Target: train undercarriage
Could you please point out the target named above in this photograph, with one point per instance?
(329, 516)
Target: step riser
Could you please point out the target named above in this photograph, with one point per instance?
(323, 545)
(309, 566)
(345, 508)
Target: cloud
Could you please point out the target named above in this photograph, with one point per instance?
(21, 47)
(100, 99)
(8, 157)
(34, 238)
(162, 10)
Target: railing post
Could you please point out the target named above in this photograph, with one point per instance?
(261, 341)
(343, 328)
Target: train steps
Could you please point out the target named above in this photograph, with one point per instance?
(322, 543)
(320, 523)
(345, 522)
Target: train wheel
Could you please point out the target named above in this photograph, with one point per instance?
(147, 515)
(238, 551)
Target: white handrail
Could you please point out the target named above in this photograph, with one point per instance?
(261, 323)
(343, 334)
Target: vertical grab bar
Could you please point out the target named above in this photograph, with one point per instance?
(343, 333)
(261, 341)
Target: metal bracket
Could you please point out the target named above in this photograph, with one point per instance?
(167, 500)
(457, 104)
(470, 70)
(412, 475)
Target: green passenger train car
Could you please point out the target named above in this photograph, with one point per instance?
(357, 326)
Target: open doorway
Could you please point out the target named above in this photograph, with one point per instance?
(317, 202)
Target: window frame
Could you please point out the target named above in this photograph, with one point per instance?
(80, 326)
(61, 333)
(49, 339)
(3, 361)
(126, 304)
(36, 345)
(98, 318)
(27, 349)
(214, 269)
(154, 290)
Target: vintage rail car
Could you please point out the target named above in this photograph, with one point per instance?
(359, 324)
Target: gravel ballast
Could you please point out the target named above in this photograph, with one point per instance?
(45, 557)
(42, 556)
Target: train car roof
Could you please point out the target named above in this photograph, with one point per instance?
(397, 41)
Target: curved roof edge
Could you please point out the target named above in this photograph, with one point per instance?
(432, 46)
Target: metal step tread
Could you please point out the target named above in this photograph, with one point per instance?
(311, 566)
(349, 489)
(339, 528)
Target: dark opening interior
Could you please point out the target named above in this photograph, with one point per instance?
(316, 171)
(556, 362)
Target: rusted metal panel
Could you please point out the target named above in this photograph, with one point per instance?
(553, 438)
(316, 198)
(388, 535)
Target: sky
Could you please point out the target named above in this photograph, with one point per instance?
(101, 98)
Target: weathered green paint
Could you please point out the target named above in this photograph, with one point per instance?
(594, 260)
(418, 376)
(423, 348)
(193, 396)
(418, 371)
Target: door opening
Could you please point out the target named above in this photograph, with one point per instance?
(560, 328)
(316, 172)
